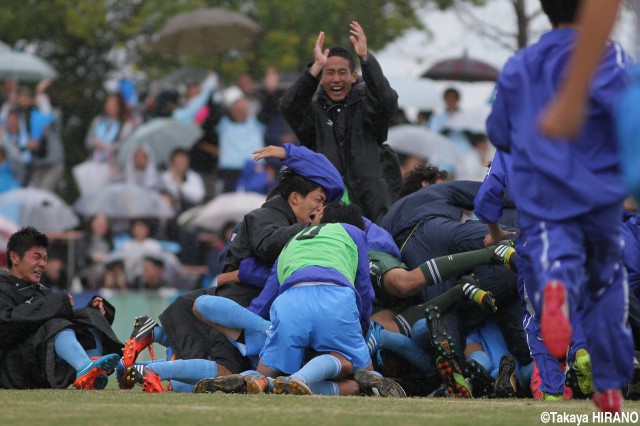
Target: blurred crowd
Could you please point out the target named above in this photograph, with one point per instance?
(129, 250)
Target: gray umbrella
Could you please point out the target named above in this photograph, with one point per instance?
(206, 31)
(124, 201)
(162, 135)
(184, 75)
(24, 67)
(39, 208)
(418, 141)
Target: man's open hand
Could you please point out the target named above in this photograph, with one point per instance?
(359, 40)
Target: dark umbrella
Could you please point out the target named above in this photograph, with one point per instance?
(462, 69)
(206, 31)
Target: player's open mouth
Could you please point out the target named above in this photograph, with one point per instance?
(312, 217)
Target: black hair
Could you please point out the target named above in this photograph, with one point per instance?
(23, 240)
(561, 11)
(343, 213)
(421, 173)
(290, 182)
(452, 91)
(177, 152)
(343, 53)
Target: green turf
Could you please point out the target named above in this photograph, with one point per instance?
(115, 407)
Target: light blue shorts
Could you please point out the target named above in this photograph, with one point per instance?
(322, 317)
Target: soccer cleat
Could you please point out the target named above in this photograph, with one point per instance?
(94, 375)
(124, 382)
(582, 367)
(555, 326)
(291, 386)
(505, 386)
(488, 303)
(141, 338)
(609, 401)
(233, 383)
(446, 362)
(143, 375)
(372, 384)
(374, 342)
(481, 381)
(502, 253)
(472, 290)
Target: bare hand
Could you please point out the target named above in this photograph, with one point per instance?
(43, 85)
(319, 56)
(98, 303)
(70, 299)
(32, 145)
(359, 40)
(271, 79)
(270, 151)
(490, 240)
(316, 220)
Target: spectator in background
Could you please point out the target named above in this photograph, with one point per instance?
(17, 136)
(152, 276)
(34, 118)
(104, 132)
(197, 96)
(92, 251)
(8, 179)
(141, 168)
(438, 122)
(55, 275)
(184, 185)
(473, 164)
(134, 251)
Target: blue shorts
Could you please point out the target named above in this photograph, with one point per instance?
(322, 317)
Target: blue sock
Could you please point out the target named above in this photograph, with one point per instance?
(322, 367)
(185, 370)
(68, 348)
(420, 334)
(98, 350)
(483, 359)
(181, 387)
(406, 348)
(325, 387)
(227, 313)
(159, 336)
(524, 375)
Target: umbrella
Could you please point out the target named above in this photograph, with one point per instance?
(184, 75)
(91, 176)
(7, 228)
(124, 201)
(415, 92)
(419, 141)
(229, 207)
(206, 31)
(38, 208)
(162, 135)
(473, 120)
(462, 69)
(24, 67)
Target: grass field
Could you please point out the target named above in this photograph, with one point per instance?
(115, 407)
